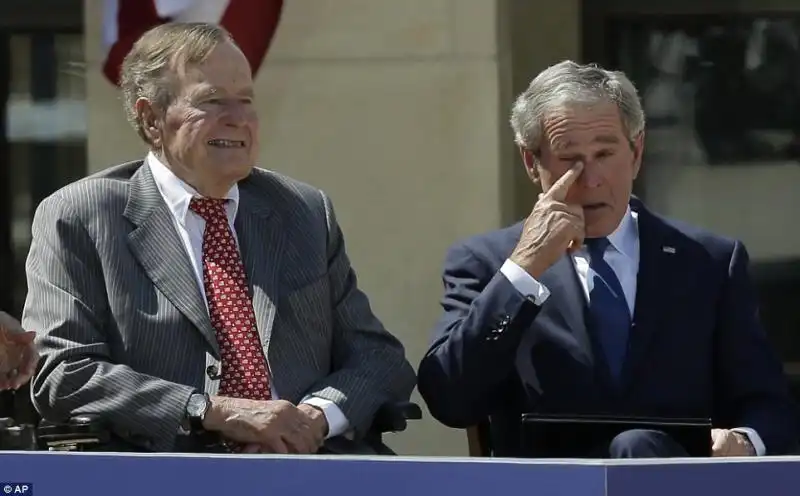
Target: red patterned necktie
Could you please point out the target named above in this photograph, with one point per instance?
(244, 369)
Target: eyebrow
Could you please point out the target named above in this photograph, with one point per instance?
(608, 139)
(202, 92)
(209, 91)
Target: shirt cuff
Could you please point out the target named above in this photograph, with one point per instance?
(755, 439)
(337, 422)
(525, 283)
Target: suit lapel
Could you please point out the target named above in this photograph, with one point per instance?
(659, 265)
(567, 299)
(261, 241)
(160, 250)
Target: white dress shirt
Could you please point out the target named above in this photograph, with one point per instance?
(190, 226)
(622, 255)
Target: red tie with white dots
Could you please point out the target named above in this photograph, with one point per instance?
(244, 367)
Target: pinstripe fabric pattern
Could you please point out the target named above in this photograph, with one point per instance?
(124, 330)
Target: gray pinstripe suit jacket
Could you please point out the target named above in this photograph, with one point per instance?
(123, 328)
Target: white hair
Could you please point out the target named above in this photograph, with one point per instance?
(569, 84)
(157, 56)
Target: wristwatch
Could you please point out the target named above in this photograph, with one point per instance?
(196, 410)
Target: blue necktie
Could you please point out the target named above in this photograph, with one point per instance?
(609, 316)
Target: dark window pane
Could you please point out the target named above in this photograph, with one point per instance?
(728, 86)
(45, 129)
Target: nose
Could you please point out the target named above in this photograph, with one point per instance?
(236, 114)
(591, 177)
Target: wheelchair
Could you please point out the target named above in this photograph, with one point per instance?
(84, 433)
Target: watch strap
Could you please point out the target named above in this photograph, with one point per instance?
(195, 422)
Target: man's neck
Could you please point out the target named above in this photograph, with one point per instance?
(208, 188)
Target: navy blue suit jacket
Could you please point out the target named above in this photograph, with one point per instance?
(696, 348)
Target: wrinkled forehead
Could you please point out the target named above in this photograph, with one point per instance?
(225, 70)
(574, 126)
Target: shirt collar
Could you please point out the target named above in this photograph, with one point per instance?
(178, 194)
(625, 236)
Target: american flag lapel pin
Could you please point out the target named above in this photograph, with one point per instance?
(668, 249)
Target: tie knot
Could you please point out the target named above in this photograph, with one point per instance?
(209, 208)
(597, 246)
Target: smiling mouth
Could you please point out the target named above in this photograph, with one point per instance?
(224, 143)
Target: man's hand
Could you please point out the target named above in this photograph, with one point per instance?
(317, 419)
(730, 443)
(18, 356)
(552, 228)
(266, 426)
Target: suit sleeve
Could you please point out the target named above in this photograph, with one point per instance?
(369, 364)
(754, 390)
(472, 357)
(67, 307)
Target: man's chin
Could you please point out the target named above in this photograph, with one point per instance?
(235, 171)
(600, 222)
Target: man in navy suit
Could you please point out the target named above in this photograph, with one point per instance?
(595, 305)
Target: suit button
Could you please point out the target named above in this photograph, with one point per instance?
(213, 372)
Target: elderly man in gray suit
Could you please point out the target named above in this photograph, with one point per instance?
(192, 291)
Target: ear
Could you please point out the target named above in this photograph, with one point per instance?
(531, 164)
(638, 150)
(149, 118)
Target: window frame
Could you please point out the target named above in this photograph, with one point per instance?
(23, 17)
(26, 15)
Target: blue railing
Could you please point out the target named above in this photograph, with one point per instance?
(67, 474)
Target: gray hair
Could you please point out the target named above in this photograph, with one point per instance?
(149, 69)
(567, 84)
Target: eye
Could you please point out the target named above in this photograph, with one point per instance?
(605, 153)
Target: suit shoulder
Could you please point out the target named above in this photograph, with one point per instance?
(106, 190)
(718, 246)
(285, 187)
(491, 247)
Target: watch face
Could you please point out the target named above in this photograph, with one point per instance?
(197, 405)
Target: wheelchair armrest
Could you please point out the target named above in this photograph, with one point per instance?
(16, 437)
(77, 433)
(394, 417)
